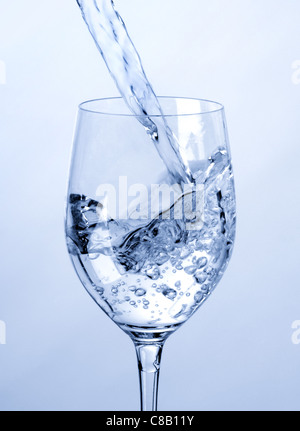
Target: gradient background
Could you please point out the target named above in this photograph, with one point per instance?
(236, 353)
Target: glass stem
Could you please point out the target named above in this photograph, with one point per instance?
(148, 356)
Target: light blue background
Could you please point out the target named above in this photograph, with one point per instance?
(236, 353)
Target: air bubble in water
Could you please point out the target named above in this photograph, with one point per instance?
(200, 263)
(140, 292)
(190, 270)
(161, 258)
(198, 297)
(200, 277)
(211, 273)
(168, 292)
(185, 253)
(205, 288)
(199, 245)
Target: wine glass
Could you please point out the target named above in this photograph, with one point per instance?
(149, 251)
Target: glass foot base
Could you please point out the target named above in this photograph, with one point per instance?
(150, 334)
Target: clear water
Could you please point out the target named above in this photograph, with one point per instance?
(155, 275)
(124, 64)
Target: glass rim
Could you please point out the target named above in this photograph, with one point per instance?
(216, 107)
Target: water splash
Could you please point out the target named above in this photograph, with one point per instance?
(132, 268)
